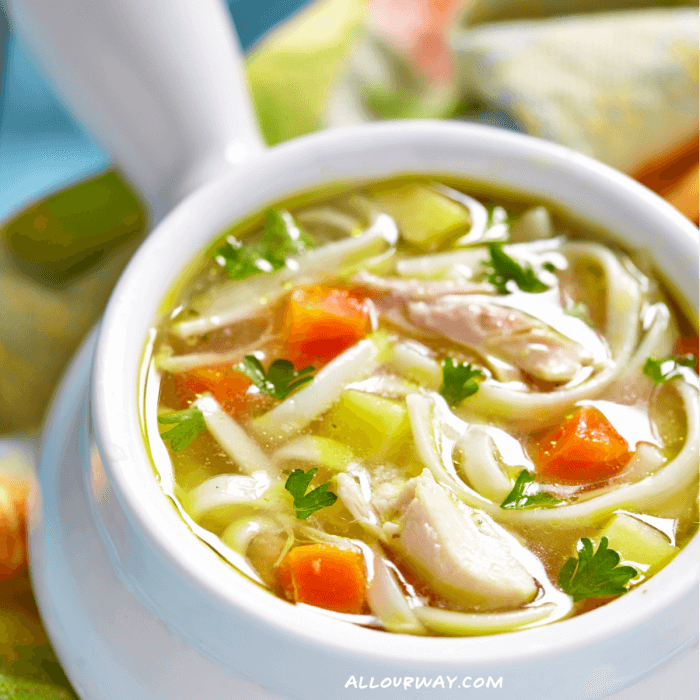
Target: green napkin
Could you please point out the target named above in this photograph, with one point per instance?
(29, 669)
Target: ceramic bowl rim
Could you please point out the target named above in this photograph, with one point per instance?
(669, 586)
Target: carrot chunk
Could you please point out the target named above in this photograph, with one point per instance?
(321, 322)
(227, 386)
(324, 576)
(687, 346)
(584, 449)
(13, 526)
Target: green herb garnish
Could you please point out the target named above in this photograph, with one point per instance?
(307, 503)
(504, 269)
(190, 423)
(526, 494)
(660, 371)
(280, 379)
(596, 574)
(281, 238)
(458, 381)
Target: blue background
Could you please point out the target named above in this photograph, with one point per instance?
(41, 146)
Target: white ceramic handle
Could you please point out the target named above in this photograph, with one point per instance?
(159, 82)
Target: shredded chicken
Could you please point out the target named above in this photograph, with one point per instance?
(510, 334)
(389, 293)
(460, 550)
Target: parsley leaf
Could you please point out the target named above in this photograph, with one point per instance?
(660, 371)
(280, 379)
(281, 238)
(504, 268)
(190, 423)
(458, 381)
(307, 503)
(595, 574)
(237, 259)
(526, 494)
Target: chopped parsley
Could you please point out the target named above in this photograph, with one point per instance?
(307, 503)
(458, 381)
(526, 494)
(280, 380)
(593, 575)
(660, 371)
(503, 269)
(281, 238)
(190, 423)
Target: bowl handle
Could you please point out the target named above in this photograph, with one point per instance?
(160, 83)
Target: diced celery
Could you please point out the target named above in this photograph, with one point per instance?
(425, 217)
(384, 344)
(368, 423)
(316, 450)
(637, 543)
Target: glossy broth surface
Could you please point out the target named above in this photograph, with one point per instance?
(427, 410)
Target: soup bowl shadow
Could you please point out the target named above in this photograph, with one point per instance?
(295, 652)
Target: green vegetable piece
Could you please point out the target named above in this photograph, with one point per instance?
(306, 504)
(425, 217)
(190, 423)
(237, 259)
(315, 449)
(458, 381)
(280, 380)
(281, 238)
(372, 424)
(594, 575)
(638, 542)
(65, 234)
(504, 269)
(527, 494)
(660, 371)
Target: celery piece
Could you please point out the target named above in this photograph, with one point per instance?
(425, 217)
(637, 543)
(368, 423)
(317, 451)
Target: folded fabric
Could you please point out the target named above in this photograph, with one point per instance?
(620, 86)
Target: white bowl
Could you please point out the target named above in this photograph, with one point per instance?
(297, 652)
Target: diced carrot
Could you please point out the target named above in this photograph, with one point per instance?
(231, 392)
(228, 387)
(321, 322)
(687, 346)
(13, 525)
(324, 576)
(584, 449)
(204, 379)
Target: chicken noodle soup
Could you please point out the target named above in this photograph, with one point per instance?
(428, 412)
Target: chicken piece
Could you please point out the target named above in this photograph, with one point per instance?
(461, 552)
(390, 293)
(510, 334)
